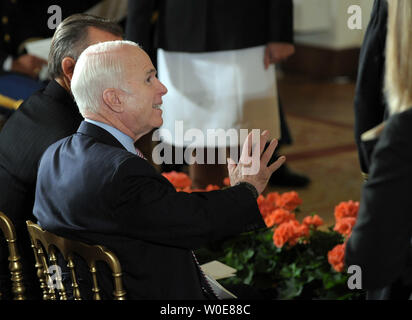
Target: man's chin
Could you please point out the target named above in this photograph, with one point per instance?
(160, 123)
(156, 125)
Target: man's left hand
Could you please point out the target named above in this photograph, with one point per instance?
(262, 172)
(276, 52)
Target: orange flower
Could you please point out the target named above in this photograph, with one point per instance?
(212, 187)
(336, 257)
(179, 180)
(260, 200)
(315, 221)
(282, 234)
(273, 197)
(289, 200)
(226, 181)
(278, 216)
(302, 231)
(344, 225)
(265, 206)
(281, 215)
(186, 189)
(346, 209)
(269, 220)
(289, 232)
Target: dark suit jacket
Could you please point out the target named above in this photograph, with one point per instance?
(381, 240)
(91, 189)
(44, 118)
(369, 104)
(209, 25)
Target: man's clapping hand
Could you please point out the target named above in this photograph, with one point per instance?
(253, 164)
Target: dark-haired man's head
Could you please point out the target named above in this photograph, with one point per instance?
(72, 37)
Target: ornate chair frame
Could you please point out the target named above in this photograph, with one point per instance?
(15, 265)
(45, 243)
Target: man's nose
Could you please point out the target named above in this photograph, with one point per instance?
(163, 89)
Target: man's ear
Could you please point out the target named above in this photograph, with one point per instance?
(68, 67)
(112, 99)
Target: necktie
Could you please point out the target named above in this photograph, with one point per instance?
(140, 154)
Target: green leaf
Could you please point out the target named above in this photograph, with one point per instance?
(249, 277)
(248, 254)
(292, 289)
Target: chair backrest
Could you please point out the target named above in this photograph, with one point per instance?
(15, 266)
(10, 103)
(45, 244)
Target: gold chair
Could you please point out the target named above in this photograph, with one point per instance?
(15, 265)
(9, 103)
(44, 246)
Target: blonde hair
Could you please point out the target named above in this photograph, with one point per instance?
(398, 69)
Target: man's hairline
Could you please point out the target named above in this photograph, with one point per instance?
(88, 44)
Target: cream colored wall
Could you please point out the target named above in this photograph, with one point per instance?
(323, 23)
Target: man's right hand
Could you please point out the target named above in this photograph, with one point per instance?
(276, 52)
(239, 172)
(28, 64)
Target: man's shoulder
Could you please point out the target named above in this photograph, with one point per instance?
(126, 163)
(114, 154)
(90, 147)
(51, 108)
(40, 121)
(87, 151)
(122, 162)
(41, 108)
(47, 101)
(35, 101)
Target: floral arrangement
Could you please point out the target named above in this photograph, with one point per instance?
(297, 259)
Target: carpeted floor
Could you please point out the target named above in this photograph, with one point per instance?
(320, 116)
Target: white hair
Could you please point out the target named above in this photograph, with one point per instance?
(98, 68)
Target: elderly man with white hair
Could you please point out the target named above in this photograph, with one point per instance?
(94, 187)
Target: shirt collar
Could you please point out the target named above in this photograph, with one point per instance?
(124, 139)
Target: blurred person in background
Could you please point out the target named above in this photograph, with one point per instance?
(370, 105)
(380, 243)
(23, 22)
(226, 51)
